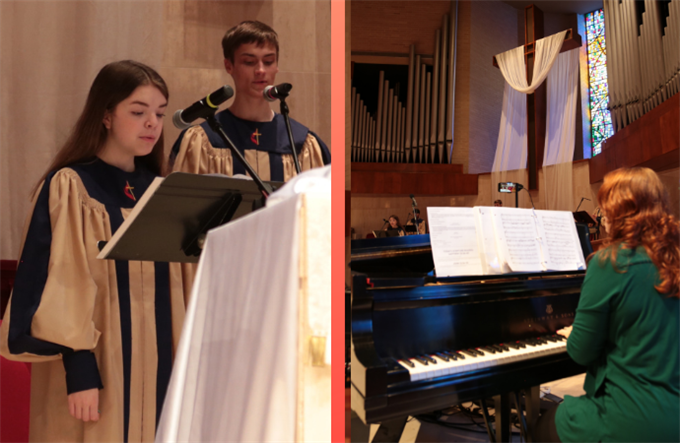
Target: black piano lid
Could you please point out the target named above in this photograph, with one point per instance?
(410, 255)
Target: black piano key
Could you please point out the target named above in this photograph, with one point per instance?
(496, 347)
(550, 338)
(504, 347)
(421, 359)
(408, 362)
(470, 352)
(430, 359)
(560, 337)
(488, 349)
(442, 356)
(528, 342)
(514, 345)
(478, 351)
(456, 355)
(452, 355)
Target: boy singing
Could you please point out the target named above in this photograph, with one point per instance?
(251, 52)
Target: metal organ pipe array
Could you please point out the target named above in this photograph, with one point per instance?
(643, 70)
(418, 131)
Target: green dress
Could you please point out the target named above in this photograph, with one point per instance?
(628, 336)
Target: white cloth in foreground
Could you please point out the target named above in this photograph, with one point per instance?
(251, 363)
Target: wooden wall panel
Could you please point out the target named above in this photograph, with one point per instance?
(422, 179)
(652, 141)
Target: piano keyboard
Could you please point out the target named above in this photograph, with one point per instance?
(455, 362)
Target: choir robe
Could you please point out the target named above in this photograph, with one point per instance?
(265, 145)
(88, 323)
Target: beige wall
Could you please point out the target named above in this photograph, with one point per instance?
(51, 52)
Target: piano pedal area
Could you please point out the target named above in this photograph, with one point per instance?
(489, 420)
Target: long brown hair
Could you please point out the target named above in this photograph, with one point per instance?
(635, 203)
(399, 226)
(114, 83)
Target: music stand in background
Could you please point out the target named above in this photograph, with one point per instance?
(170, 221)
(410, 229)
(583, 217)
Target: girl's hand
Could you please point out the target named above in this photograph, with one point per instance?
(565, 331)
(84, 405)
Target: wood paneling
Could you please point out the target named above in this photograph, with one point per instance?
(652, 141)
(421, 179)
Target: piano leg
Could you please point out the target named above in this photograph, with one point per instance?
(532, 403)
(502, 414)
(388, 431)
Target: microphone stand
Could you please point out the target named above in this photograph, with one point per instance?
(579, 204)
(264, 188)
(415, 219)
(284, 112)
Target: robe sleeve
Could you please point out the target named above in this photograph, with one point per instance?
(50, 313)
(323, 149)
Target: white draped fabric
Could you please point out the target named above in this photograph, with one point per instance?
(246, 369)
(511, 149)
(511, 63)
(562, 92)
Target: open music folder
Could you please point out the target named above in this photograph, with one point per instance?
(496, 240)
(170, 220)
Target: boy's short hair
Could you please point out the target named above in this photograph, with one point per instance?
(249, 31)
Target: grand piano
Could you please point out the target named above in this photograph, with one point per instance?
(422, 343)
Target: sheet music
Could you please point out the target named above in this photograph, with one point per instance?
(517, 239)
(486, 239)
(454, 241)
(562, 247)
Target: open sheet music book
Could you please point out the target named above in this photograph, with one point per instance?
(495, 240)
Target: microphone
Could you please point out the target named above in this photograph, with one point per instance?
(414, 200)
(579, 205)
(385, 221)
(278, 92)
(183, 117)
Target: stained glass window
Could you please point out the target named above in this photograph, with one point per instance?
(600, 118)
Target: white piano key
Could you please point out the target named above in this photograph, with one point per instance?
(459, 366)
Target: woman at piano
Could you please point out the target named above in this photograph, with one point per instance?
(627, 325)
(394, 225)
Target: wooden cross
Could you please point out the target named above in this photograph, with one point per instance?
(537, 102)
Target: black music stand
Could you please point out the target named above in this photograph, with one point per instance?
(170, 221)
(410, 229)
(583, 217)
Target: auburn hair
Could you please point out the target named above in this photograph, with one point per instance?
(635, 203)
(114, 83)
(249, 31)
